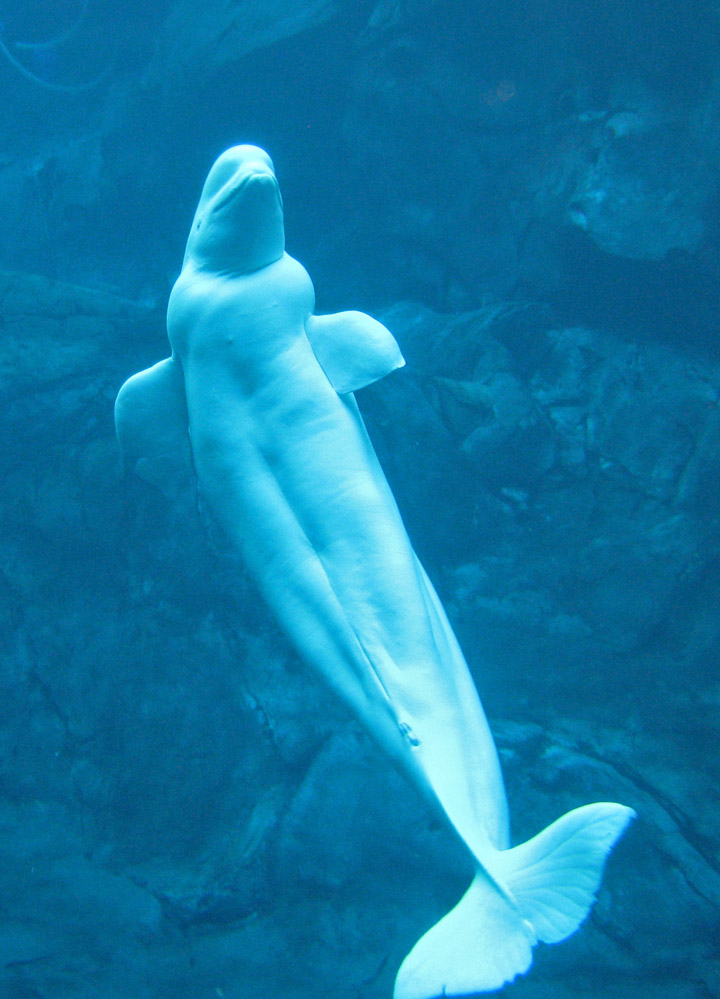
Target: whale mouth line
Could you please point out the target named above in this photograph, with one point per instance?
(248, 177)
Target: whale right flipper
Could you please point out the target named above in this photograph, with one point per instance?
(541, 890)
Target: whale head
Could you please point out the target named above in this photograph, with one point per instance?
(238, 225)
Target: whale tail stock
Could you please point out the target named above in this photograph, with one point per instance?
(541, 890)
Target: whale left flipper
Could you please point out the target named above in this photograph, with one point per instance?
(353, 349)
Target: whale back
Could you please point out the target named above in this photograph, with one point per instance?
(238, 225)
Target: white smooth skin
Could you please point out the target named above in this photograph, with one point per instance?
(289, 472)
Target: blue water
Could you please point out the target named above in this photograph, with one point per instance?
(525, 193)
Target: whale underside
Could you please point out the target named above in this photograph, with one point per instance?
(263, 390)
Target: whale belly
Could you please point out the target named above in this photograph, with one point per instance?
(299, 489)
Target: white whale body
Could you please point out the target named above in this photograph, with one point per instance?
(284, 463)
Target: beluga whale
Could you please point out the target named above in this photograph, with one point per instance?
(264, 389)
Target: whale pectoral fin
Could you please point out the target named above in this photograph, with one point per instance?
(353, 349)
(541, 890)
(151, 424)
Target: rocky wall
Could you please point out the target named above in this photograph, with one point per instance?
(186, 811)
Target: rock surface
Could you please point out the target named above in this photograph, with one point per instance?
(194, 42)
(519, 148)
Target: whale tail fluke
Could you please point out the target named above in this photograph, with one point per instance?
(477, 947)
(553, 877)
(541, 890)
